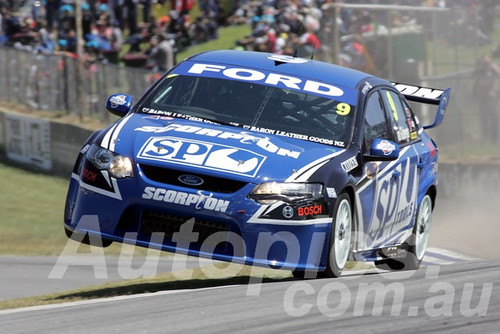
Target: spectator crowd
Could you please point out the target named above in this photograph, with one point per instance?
(294, 27)
(310, 27)
(110, 28)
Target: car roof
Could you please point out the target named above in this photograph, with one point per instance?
(310, 69)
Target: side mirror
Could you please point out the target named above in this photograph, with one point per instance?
(119, 104)
(382, 150)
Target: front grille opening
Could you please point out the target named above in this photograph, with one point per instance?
(210, 183)
(156, 222)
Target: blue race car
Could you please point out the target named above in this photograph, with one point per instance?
(263, 159)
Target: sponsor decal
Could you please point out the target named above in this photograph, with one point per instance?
(198, 201)
(88, 175)
(117, 100)
(403, 134)
(163, 118)
(435, 168)
(103, 185)
(387, 204)
(310, 210)
(371, 169)
(331, 192)
(366, 88)
(202, 154)
(349, 164)
(404, 213)
(287, 59)
(274, 214)
(191, 180)
(246, 74)
(264, 77)
(169, 115)
(85, 149)
(427, 93)
(386, 147)
(288, 212)
(243, 137)
(294, 135)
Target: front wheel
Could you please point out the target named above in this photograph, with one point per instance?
(340, 237)
(417, 243)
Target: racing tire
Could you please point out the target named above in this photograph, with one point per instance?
(340, 237)
(417, 243)
(84, 239)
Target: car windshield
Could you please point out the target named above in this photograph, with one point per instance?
(253, 106)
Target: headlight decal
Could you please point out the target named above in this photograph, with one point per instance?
(287, 215)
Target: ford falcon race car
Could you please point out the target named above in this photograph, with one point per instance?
(263, 159)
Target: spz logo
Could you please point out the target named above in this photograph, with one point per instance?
(202, 154)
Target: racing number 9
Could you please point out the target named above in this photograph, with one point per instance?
(393, 106)
(343, 109)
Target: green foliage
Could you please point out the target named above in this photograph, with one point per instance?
(228, 36)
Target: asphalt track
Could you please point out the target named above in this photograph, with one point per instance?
(451, 293)
(456, 298)
(22, 276)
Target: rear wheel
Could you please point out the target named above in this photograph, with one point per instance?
(417, 243)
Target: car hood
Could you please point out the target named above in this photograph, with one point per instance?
(214, 149)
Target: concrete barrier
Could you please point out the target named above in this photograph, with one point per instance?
(40, 144)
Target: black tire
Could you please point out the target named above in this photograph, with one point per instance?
(415, 252)
(298, 274)
(84, 239)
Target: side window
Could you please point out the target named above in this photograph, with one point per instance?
(412, 120)
(375, 123)
(402, 117)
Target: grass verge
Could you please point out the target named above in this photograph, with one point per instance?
(220, 275)
(31, 214)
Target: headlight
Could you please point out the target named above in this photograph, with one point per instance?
(271, 192)
(117, 165)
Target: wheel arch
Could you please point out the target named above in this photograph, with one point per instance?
(432, 192)
(349, 190)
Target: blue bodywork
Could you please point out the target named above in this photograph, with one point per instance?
(193, 170)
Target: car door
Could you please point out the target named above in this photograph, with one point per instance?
(386, 193)
(373, 190)
(404, 176)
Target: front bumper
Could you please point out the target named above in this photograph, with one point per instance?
(227, 227)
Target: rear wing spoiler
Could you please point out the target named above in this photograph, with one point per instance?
(428, 96)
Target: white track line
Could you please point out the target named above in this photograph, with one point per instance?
(101, 300)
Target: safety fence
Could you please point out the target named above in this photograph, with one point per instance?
(471, 128)
(49, 82)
